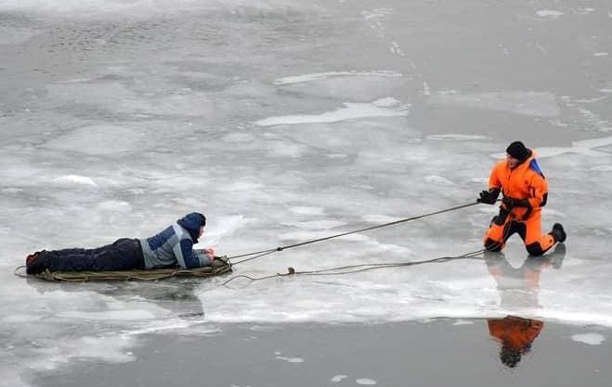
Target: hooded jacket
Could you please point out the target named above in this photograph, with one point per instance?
(174, 245)
(525, 181)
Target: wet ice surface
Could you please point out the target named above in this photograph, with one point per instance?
(284, 122)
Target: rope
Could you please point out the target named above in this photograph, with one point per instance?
(349, 269)
(259, 254)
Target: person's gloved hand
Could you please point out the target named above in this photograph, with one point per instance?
(508, 202)
(488, 197)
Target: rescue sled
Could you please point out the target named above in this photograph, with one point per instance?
(219, 266)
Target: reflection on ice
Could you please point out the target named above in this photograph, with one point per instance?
(519, 287)
(518, 290)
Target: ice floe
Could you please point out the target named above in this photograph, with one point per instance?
(334, 74)
(351, 111)
(589, 338)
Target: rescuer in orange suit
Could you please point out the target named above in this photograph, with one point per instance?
(525, 191)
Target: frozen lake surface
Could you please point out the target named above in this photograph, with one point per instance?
(282, 122)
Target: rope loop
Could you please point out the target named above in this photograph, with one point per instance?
(349, 269)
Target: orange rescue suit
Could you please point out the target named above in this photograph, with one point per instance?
(525, 183)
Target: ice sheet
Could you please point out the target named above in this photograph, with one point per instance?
(284, 121)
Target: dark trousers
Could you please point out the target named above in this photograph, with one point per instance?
(123, 254)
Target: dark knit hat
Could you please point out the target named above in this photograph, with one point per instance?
(192, 223)
(518, 150)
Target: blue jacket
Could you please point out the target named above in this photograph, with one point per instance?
(174, 245)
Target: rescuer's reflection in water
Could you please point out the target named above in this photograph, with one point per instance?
(518, 288)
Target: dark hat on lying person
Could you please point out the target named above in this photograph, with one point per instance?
(192, 223)
(518, 150)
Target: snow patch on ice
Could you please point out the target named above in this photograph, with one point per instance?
(115, 206)
(426, 89)
(455, 137)
(386, 102)
(173, 327)
(589, 338)
(305, 210)
(338, 378)
(396, 49)
(75, 179)
(365, 382)
(600, 54)
(334, 74)
(586, 10)
(374, 218)
(549, 13)
(288, 359)
(463, 322)
(351, 111)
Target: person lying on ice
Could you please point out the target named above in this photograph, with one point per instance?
(170, 248)
(525, 192)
